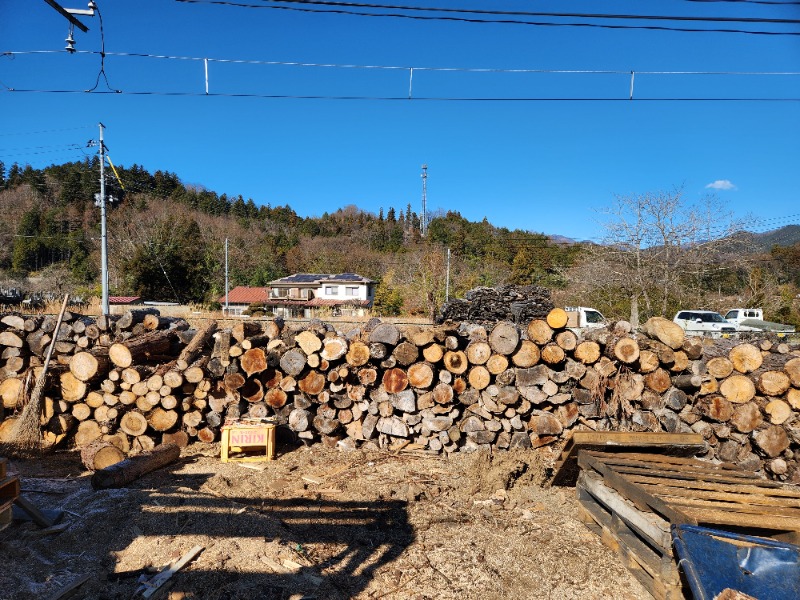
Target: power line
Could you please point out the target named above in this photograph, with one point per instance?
(26, 133)
(407, 99)
(409, 67)
(627, 96)
(344, 11)
(534, 14)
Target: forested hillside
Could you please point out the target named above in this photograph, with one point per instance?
(166, 242)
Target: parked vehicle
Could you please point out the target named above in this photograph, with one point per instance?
(582, 317)
(752, 320)
(704, 322)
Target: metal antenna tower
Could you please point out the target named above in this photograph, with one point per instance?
(423, 224)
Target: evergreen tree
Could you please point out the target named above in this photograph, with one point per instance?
(14, 176)
(28, 248)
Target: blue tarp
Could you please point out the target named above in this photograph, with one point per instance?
(715, 560)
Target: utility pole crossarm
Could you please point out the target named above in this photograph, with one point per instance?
(64, 13)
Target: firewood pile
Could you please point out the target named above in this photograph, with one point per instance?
(485, 305)
(140, 379)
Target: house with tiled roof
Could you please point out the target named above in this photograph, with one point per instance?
(308, 294)
(242, 296)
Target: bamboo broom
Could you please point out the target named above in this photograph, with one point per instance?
(27, 433)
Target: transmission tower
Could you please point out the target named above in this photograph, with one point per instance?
(423, 224)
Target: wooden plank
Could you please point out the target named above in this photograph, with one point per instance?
(71, 586)
(9, 489)
(670, 466)
(649, 525)
(152, 586)
(733, 494)
(566, 468)
(657, 573)
(670, 460)
(738, 519)
(686, 476)
(3, 467)
(748, 509)
(642, 499)
(744, 488)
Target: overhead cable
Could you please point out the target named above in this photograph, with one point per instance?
(404, 67)
(408, 99)
(505, 21)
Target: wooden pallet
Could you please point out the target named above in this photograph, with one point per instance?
(685, 490)
(642, 543)
(9, 492)
(673, 444)
(632, 500)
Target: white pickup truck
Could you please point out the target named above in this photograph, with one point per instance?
(580, 318)
(752, 320)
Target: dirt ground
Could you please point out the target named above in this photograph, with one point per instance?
(315, 523)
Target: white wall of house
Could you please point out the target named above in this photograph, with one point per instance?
(344, 291)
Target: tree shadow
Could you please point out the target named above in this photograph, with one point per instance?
(287, 546)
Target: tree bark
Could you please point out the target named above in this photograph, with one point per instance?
(131, 469)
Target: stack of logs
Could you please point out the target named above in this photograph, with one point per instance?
(486, 305)
(143, 379)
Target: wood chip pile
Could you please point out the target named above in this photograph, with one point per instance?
(136, 380)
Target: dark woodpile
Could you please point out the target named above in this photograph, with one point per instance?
(485, 305)
(447, 388)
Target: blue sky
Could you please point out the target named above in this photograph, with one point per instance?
(546, 166)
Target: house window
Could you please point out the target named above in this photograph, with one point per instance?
(331, 290)
(351, 291)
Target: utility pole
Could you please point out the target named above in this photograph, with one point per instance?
(227, 308)
(423, 225)
(447, 279)
(103, 233)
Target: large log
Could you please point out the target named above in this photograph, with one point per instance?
(557, 318)
(293, 362)
(131, 469)
(133, 423)
(357, 354)
(527, 355)
(194, 348)
(665, 331)
(420, 375)
(539, 332)
(134, 317)
(587, 352)
(625, 350)
(253, 361)
(719, 367)
(738, 389)
(746, 358)
(140, 348)
(101, 454)
(394, 381)
(792, 369)
(456, 362)
(773, 383)
(504, 338)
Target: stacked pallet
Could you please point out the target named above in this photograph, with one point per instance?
(456, 386)
(633, 500)
(9, 492)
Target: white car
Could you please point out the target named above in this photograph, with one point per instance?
(704, 322)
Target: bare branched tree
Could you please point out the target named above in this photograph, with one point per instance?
(658, 249)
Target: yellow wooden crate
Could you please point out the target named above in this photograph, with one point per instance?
(241, 438)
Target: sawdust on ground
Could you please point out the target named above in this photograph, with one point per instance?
(315, 523)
